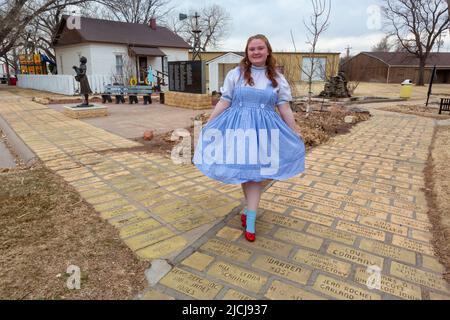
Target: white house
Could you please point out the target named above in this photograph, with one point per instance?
(117, 50)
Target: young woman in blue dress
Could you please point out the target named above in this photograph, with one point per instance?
(250, 95)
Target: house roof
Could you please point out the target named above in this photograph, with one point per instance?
(404, 59)
(239, 55)
(142, 51)
(106, 31)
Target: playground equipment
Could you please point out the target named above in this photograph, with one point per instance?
(34, 63)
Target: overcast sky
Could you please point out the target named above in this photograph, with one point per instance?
(353, 23)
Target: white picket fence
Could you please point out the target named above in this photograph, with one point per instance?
(62, 84)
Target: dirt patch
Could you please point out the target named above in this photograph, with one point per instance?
(315, 129)
(418, 110)
(46, 227)
(319, 127)
(437, 191)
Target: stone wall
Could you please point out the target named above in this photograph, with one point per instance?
(188, 100)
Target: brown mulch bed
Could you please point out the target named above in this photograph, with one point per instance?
(437, 191)
(315, 129)
(319, 127)
(418, 110)
(45, 227)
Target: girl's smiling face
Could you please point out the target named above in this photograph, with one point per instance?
(257, 52)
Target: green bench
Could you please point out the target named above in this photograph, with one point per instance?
(114, 90)
(134, 91)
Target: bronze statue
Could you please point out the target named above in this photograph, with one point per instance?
(81, 77)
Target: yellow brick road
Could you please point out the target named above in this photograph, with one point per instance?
(357, 209)
(357, 215)
(160, 208)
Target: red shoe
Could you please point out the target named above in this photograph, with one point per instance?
(244, 220)
(250, 236)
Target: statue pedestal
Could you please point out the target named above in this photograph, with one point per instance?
(85, 112)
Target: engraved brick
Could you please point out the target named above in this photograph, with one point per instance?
(425, 278)
(327, 264)
(390, 285)
(226, 249)
(337, 213)
(332, 234)
(412, 245)
(308, 216)
(298, 238)
(383, 225)
(282, 269)
(191, 284)
(386, 250)
(341, 290)
(198, 261)
(361, 230)
(283, 221)
(237, 276)
(282, 291)
(354, 255)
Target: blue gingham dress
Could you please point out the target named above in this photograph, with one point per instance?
(252, 110)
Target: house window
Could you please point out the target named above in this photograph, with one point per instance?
(119, 65)
(165, 65)
(318, 69)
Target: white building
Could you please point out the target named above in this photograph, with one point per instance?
(118, 50)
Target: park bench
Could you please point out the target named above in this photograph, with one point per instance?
(445, 105)
(134, 91)
(114, 90)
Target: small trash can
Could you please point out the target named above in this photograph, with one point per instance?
(161, 97)
(12, 81)
(406, 89)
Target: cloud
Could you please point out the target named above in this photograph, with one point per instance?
(350, 23)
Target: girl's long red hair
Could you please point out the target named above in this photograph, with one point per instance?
(246, 65)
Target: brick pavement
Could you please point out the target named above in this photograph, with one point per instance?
(159, 208)
(359, 204)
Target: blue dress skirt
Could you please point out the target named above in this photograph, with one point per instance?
(249, 141)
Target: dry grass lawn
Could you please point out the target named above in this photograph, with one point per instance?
(418, 110)
(372, 89)
(437, 175)
(45, 226)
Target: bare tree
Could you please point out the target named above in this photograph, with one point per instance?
(214, 23)
(15, 16)
(383, 45)
(417, 25)
(134, 11)
(318, 23)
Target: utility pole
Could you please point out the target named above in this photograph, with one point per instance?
(196, 32)
(196, 48)
(293, 42)
(348, 51)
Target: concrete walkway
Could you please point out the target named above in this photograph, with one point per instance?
(130, 121)
(6, 158)
(358, 205)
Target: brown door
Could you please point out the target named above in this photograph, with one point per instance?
(142, 69)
